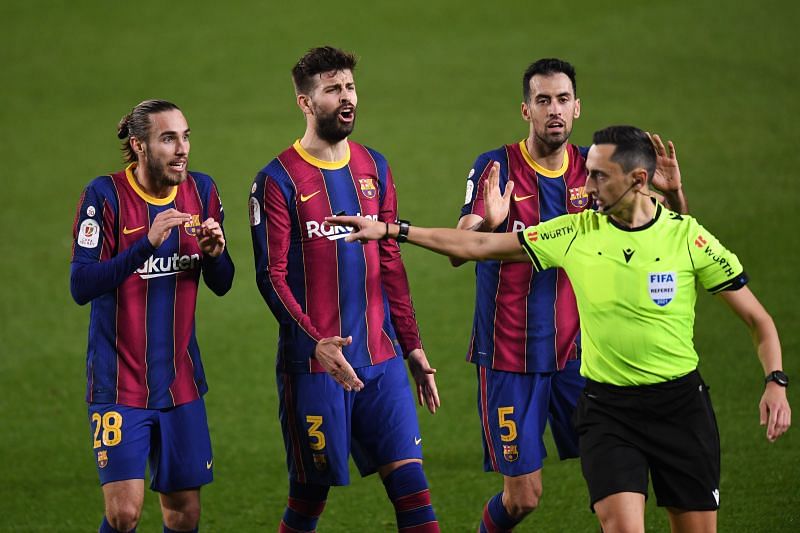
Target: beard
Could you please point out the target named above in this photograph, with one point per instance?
(162, 175)
(555, 140)
(329, 128)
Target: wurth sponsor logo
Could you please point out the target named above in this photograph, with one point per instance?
(156, 267)
(332, 233)
(720, 260)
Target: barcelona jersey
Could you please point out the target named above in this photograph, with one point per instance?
(526, 321)
(316, 284)
(142, 346)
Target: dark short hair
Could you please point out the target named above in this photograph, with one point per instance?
(633, 148)
(137, 124)
(319, 60)
(547, 67)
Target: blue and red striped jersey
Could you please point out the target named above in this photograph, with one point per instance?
(316, 284)
(142, 346)
(526, 321)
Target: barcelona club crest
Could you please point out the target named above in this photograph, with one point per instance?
(662, 287)
(510, 452)
(578, 196)
(102, 458)
(367, 187)
(192, 225)
(320, 462)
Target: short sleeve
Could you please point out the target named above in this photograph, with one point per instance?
(547, 243)
(715, 266)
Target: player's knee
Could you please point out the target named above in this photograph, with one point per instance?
(123, 517)
(184, 518)
(522, 504)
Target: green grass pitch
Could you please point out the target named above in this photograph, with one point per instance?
(439, 82)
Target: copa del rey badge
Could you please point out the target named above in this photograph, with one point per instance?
(662, 287)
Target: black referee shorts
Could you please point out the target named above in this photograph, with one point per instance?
(667, 429)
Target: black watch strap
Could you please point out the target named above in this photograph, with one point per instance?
(778, 377)
(402, 234)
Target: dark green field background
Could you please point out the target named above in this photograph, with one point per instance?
(439, 82)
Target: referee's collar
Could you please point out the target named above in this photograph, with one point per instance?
(643, 227)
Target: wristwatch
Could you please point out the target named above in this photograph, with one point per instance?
(778, 377)
(402, 234)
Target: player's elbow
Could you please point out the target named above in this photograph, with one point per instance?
(456, 261)
(76, 287)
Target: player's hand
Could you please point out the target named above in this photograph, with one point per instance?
(210, 238)
(427, 394)
(495, 204)
(329, 354)
(163, 223)
(775, 411)
(364, 229)
(667, 177)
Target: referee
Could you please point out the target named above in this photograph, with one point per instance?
(635, 268)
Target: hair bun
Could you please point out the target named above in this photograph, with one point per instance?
(122, 128)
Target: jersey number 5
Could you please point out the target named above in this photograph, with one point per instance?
(507, 423)
(110, 424)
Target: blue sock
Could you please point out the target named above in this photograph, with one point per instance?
(105, 527)
(408, 490)
(306, 502)
(168, 530)
(495, 517)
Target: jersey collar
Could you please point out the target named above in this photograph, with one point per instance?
(639, 228)
(146, 197)
(539, 168)
(319, 163)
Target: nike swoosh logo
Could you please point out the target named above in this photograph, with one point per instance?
(209, 463)
(417, 440)
(127, 231)
(304, 198)
(521, 198)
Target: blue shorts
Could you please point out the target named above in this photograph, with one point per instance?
(323, 424)
(514, 409)
(174, 440)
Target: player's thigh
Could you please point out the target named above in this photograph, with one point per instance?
(315, 415)
(384, 422)
(565, 389)
(120, 437)
(181, 456)
(685, 453)
(612, 456)
(513, 412)
(681, 521)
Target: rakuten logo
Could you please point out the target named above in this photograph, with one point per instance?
(332, 233)
(156, 267)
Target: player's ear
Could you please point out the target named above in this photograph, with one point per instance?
(577, 108)
(304, 103)
(137, 145)
(526, 112)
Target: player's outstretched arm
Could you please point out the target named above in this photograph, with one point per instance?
(329, 354)
(427, 393)
(774, 408)
(667, 177)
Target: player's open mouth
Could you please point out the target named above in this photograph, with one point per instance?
(347, 114)
(178, 166)
(555, 125)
